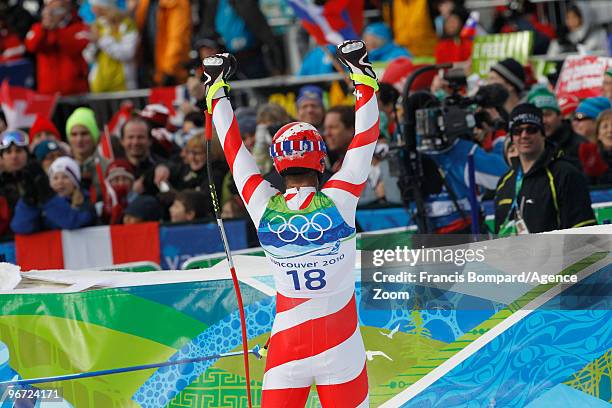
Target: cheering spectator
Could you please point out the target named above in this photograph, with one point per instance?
(60, 205)
(556, 129)
(452, 47)
(541, 192)
(586, 114)
(380, 45)
(144, 208)
(119, 182)
(113, 48)
(582, 35)
(310, 105)
(136, 141)
(83, 136)
(511, 74)
(46, 152)
(188, 206)
(165, 28)
(58, 42)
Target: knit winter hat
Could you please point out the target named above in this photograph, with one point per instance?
(526, 114)
(380, 30)
(119, 167)
(590, 108)
(542, 98)
(84, 117)
(512, 71)
(67, 166)
(310, 92)
(44, 148)
(42, 124)
(145, 207)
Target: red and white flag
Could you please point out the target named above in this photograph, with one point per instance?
(21, 105)
(91, 247)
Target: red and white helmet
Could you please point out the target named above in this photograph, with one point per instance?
(298, 144)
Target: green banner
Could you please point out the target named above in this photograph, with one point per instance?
(488, 49)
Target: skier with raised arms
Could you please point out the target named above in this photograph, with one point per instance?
(309, 238)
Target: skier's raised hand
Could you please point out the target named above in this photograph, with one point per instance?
(354, 55)
(217, 70)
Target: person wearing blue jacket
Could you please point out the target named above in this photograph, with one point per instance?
(379, 42)
(60, 204)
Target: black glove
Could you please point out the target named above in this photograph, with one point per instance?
(44, 190)
(27, 187)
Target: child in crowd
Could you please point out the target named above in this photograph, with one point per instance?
(189, 205)
(119, 180)
(144, 208)
(62, 206)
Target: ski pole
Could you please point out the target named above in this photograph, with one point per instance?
(228, 253)
(98, 373)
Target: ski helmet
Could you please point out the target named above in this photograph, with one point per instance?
(298, 145)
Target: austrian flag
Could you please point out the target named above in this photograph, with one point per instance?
(89, 247)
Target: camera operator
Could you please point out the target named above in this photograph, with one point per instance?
(444, 151)
(541, 192)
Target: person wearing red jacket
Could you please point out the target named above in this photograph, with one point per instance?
(58, 42)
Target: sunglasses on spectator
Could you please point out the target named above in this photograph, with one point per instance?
(531, 130)
(16, 137)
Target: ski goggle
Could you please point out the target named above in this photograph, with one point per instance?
(16, 137)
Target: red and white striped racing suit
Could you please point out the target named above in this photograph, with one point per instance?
(310, 242)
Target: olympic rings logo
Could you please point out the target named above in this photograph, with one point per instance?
(290, 230)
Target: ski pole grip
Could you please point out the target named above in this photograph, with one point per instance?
(208, 125)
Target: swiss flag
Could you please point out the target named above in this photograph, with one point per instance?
(89, 247)
(171, 97)
(21, 105)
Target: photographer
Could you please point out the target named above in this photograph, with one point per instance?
(444, 152)
(541, 192)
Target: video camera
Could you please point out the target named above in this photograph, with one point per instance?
(437, 127)
(430, 125)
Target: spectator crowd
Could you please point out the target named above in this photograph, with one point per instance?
(534, 146)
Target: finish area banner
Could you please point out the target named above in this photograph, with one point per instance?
(529, 326)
